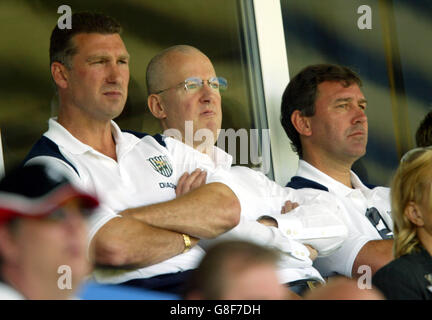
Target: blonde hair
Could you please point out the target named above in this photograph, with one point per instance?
(412, 182)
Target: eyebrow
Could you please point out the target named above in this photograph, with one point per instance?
(349, 100)
(106, 57)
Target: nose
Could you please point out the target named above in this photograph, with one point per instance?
(74, 221)
(208, 94)
(359, 115)
(114, 74)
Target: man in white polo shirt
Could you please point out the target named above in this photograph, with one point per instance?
(184, 94)
(141, 235)
(323, 114)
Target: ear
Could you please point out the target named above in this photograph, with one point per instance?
(60, 74)
(156, 107)
(301, 123)
(414, 214)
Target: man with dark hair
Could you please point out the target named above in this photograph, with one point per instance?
(424, 132)
(62, 48)
(142, 234)
(323, 113)
(43, 235)
(303, 91)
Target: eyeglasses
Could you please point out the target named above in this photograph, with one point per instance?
(195, 83)
(407, 156)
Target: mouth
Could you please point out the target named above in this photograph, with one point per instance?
(114, 94)
(208, 113)
(357, 133)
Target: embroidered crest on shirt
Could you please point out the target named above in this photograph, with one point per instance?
(162, 165)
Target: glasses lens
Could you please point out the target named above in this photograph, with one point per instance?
(193, 83)
(222, 83)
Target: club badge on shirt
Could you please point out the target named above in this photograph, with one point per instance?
(162, 165)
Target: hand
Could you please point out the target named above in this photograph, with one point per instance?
(289, 206)
(312, 252)
(267, 221)
(188, 182)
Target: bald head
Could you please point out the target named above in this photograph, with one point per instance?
(193, 113)
(160, 65)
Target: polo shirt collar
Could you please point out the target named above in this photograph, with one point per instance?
(308, 171)
(56, 132)
(221, 158)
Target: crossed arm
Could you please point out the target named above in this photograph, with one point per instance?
(375, 254)
(150, 234)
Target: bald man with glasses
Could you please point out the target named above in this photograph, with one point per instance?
(185, 95)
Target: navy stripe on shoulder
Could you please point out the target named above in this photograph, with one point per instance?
(370, 186)
(300, 183)
(46, 147)
(158, 137)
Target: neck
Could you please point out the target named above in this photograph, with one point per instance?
(425, 239)
(337, 169)
(95, 133)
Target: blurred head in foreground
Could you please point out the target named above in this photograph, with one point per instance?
(43, 235)
(237, 270)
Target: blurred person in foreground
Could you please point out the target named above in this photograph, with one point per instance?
(409, 276)
(42, 234)
(238, 270)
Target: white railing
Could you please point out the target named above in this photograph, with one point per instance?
(274, 66)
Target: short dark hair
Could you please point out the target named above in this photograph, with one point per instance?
(301, 92)
(226, 258)
(61, 46)
(424, 132)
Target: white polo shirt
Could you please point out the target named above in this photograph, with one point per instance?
(146, 172)
(354, 202)
(314, 222)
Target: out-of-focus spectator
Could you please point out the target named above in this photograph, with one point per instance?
(43, 234)
(238, 270)
(409, 276)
